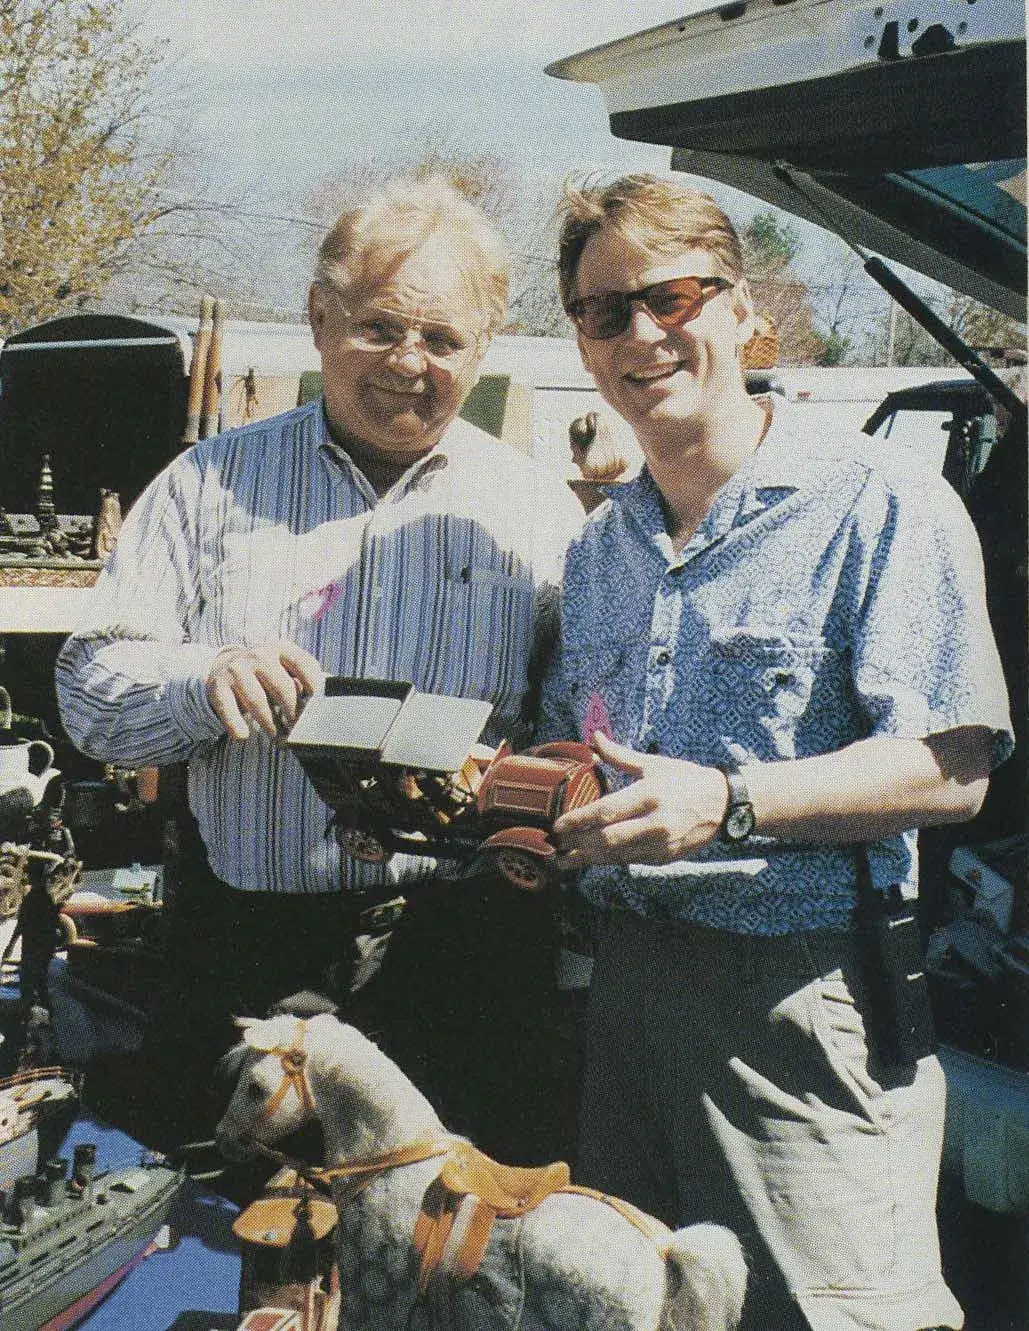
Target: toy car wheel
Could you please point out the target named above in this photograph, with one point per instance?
(361, 845)
(520, 868)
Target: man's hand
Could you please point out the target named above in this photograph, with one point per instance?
(672, 808)
(262, 685)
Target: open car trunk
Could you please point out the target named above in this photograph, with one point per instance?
(904, 122)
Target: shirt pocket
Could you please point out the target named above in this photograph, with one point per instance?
(763, 684)
(489, 616)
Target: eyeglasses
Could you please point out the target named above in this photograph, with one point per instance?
(382, 331)
(671, 304)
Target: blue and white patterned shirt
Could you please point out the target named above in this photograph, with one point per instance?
(269, 532)
(831, 594)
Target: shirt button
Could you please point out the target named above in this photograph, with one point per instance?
(663, 656)
(653, 747)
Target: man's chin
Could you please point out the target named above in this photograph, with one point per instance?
(407, 443)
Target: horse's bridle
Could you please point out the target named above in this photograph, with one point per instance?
(294, 1077)
(364, 1170)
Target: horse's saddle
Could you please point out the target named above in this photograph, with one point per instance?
(509, 1189)
(468, 1195)
(491, 1190)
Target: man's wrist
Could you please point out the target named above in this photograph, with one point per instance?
(738, 821)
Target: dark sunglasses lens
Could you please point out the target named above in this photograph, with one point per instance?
(672, 304)
(676, 302)
(604, 315)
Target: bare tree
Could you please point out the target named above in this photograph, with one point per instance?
(984, 329)
(847, 305)
(79, 179)
(98, 194)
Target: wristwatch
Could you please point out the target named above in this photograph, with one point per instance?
(738, 823)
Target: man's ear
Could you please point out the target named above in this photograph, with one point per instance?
(480, 352)
(316, 308)
(743, 312)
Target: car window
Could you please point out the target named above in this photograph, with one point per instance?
(923, 433)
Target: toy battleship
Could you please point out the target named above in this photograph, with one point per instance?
(67, 1236)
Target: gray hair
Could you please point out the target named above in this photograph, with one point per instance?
(368, 243)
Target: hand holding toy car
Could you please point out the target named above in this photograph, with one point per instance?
(263, 685)
(672, 808)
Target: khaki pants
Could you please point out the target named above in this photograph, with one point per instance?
(727, 1078)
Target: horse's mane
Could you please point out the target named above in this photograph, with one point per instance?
(304, 1004)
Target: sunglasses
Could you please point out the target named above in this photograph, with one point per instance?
(671, 304)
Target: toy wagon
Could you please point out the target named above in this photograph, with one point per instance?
(404, 771)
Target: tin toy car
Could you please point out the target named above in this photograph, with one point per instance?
(404, 771)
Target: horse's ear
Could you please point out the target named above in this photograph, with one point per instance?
(228, 1068)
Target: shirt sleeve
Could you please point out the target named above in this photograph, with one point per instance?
(924, 656)
(130, 682)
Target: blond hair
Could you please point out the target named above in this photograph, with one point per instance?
(368, 243)
(654, 214)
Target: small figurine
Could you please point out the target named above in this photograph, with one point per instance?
(595, 450)
(40, 930)
(108, 524)
(45, 511)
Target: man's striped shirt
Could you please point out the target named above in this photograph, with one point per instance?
(268, 533)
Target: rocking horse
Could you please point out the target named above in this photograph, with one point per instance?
(432, 1233)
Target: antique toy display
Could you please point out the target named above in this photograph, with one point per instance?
(403, 771)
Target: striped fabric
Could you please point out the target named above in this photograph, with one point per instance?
(269, 532)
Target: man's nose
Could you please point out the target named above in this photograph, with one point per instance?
(642, 324)
(409, 356)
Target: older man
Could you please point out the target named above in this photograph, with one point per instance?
(372, 533)
(778, 641)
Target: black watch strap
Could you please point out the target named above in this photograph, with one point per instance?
(738, 823)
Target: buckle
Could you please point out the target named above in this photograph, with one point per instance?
(381, 918)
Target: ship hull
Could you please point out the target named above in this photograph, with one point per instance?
(39, 1292)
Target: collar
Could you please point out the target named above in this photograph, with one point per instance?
(435, 460)
(772, 473)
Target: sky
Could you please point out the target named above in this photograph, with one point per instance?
(283, 90)
(282, 94)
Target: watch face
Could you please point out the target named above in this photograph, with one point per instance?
(739, 822)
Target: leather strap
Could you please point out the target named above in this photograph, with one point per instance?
(359, 1173)
(294, 1076)
(442, 1202)
(649, 1226)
